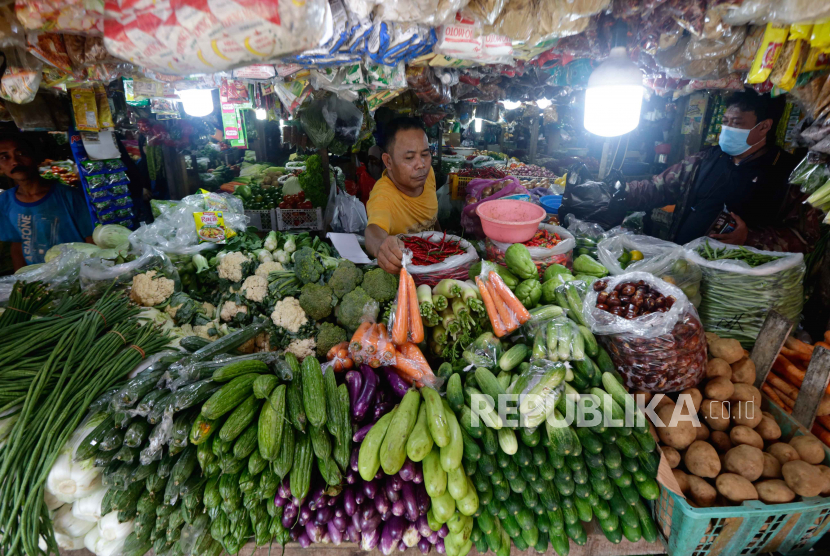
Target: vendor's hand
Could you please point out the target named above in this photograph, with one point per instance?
(390, 254)
(737, 236)
(147, 194)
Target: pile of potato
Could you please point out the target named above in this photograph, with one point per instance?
(736, 453)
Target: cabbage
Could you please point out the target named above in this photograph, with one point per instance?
(111, 236)
(29, 268)
(291, 186)
(87, 248)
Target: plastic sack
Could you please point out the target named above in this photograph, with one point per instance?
(343, 117)
(663, 259)
(22, 77)
(812, 172)
(454, 267)
(742, 59)
(485, 11)
(345, 213)
(736, 297)
(664, 351)
(543, 257)
(465, 39)
(99, 274)
(505, 311)
(593, 201)
(59, 275)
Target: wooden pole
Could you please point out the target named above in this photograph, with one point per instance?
(534, 138)
(812, 389)
(772, 336)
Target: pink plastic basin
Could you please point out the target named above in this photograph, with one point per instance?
(510, 221)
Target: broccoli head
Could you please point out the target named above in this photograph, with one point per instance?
(329, 336)
(356, 306)
(317, 301)
(307, 265)
(345, 278)
(381, 285)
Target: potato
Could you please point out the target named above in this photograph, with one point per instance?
(696, 396)
(682, 480)
(783, 452)
(646, 396)
(735, 488)
(825, 471)
(720, 440)
(745, 460)
(809, 448)
(774, 491)
(702, 460)
(702, 432)
(768, 429)
(678, 436)
(772, 467)
(719, 388)
(701, 492)
(718, 367)
(745, 393)
(672, 456)
(716, 414)
(743, 371)
(768, 414)
(662, 400)
(711, 337)
(727, 349)
(804, 479)
(746, 413)
(745, 435)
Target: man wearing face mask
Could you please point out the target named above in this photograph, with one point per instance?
(403, 200)
(746, 174)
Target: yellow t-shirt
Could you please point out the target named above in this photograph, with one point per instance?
(397, 213)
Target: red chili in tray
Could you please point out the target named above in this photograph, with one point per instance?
(427, 252)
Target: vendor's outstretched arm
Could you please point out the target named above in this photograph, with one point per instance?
(386, 248)
(662, 189)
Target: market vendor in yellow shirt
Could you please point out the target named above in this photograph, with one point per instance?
(403, 200)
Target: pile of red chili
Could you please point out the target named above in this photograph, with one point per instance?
(543, 238)
(488, 172)
(426, 251)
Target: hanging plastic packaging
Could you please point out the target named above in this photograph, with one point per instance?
(22, 77)
(465, 39)
(59, 274)
(737, 296)
(742, 60)
(771, 45)
(405, 324)
(543, 257)
(61, 16)
(786, 69)
(662, 351)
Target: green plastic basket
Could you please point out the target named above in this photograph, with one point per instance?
(751, 528)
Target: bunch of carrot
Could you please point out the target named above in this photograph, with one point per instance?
(412, 366)
(505, 310)
(787, 375)
(339, 357)
(405, 323)
(371, 344)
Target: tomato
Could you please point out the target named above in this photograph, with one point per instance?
(301, 195)
(305, 205)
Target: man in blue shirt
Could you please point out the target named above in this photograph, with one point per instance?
(36, 214)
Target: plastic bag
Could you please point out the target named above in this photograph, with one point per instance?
(372, 345)
(663, 259)
(543, 257)
(767, 54)
(22, 77)
(99, 274)
(59, 274)
(465, 39)
(794, 11)
(587, 235)
(505, 311)
(338, 357)
(61, 16)
(405, 324)
(453, 267)
(663, 351)
(343, 117)
(484, 351)
(812, 172)
(742, 60)
(485, 11)
(345, 213)
(539, 389)
(593, 201)
(737, 297)
(788, 65)
(719, 47)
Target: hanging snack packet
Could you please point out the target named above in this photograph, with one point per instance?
(405, 323)
(84, 109)
(104, 112)
(767, 54)
(505, 311)
(210, 227)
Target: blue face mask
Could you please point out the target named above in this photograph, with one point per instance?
(732, 140)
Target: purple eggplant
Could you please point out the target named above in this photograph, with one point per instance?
(410, 502)
(332, 500)
(399, 386)
(351, 477)
(288, 520)
(324, 515)
(304, 541)
(433, 537)
(367, 393)
(379, 475)
(362, 432)
(305, 515)
(407, 472)
(326, 538)
(291, 511)
(382, 409)
(280, 501)
(354, 460)
(439, 547)
(423, 526)
(418, 478)
(354, 382)
(411, 536)
(424, 546)
(395, 481)
(423, 498)
(367, 511)
(356, 522)
(314, 499)
(349, 505)
(396, 526)
(340, 522)
(398, 507)
(369, 539)
(314, 531)
(391, 493)
(284, 491)
(371, 523)
(354, 534)
(382, 503)
(443, 531)
(296, 501)
(388, 543)
(370, 488)
(402, 546)
(359, 496)
(335, 535)
(385, 516)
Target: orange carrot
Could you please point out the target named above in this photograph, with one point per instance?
(411, 352)
(788, 402)
(769, 391)
(357, 337)
(825, 345)
(374, 362)
(824, 420)
(827, 336)
(794, 355)
(385, 346)
(416, 326)
(399, 327)
(336, 349)
(370, 341)
(512, 302)
(495, 319)
(788, 371)
(410, 364)
(798, 345)
(509, 320)
(776, 382)
(822, 433)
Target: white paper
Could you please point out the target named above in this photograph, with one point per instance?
(349, 248)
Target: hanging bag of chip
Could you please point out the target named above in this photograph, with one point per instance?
(765, 58)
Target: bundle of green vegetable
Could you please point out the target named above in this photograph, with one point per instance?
(454, 314)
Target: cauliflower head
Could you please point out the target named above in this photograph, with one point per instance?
(267, 268)
(232, 266)
(230, 310)
(207, 331)
(209, 309)
(289, 315)
(302, 348)
(255, 288)
(149, 289)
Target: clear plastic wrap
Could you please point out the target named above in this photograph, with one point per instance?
(587, 235)
(539, 389)
(372, 345)
(720, 47)
(795, 11)
(485, 11)
(61, 16)
(99, 274)
(771, 45)
(343, 117)
(737, 297)
(663, 351)
(543, 257)
(60, 274)
(812, 172)
(749, 11)
(505, 311)
(405, 324)
(455, 266)
(21, 78)
(465, 39)
(663, 259)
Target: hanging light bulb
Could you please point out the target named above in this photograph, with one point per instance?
(261, 114)
(543, 103)
(614, 96)
(197, 102)
(511, 105)
(477, 125)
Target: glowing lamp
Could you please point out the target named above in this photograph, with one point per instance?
(197, 102)
(614, 96)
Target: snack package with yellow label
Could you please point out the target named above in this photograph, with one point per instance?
(765, 58)
(787, 66)
(104, 112)
(210, 227)
(84, 108)
(820, 37)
